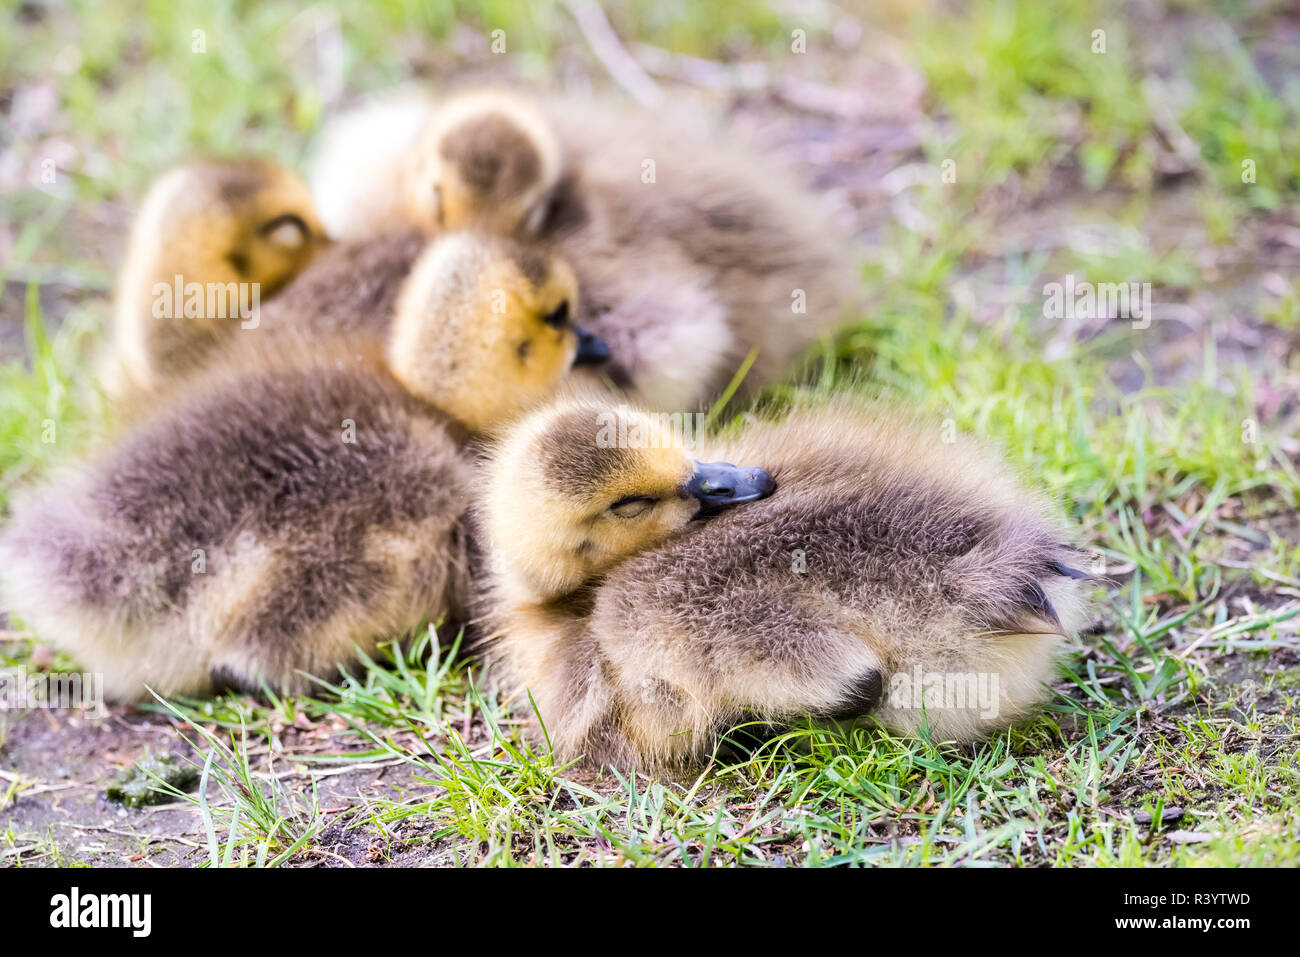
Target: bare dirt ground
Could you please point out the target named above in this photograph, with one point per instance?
(59, 765)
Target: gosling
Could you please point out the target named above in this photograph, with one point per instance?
(481, 165)
(691, 251)
(298, 500)
(210, 242)
(648, 602)
(480, 159)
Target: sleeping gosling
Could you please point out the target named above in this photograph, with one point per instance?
(480, 164)
(211, 241)
(297, 500)
(690, 250)
(477, 159)
(648, 601)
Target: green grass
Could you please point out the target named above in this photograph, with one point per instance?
(1065, 790)
(1182, 694)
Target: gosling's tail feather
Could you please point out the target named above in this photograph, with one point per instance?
(1036, 600)
(1062, 569)
(1022, 584)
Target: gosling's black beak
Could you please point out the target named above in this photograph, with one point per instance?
(591, 349)
(720, 485)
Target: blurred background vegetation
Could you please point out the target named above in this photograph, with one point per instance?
(1122, 164)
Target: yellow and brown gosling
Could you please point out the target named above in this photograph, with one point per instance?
(357, 287)
(480, 159)
(648, 601)
(476, 165)
(301, 497)
(211, 242)
(690, 249)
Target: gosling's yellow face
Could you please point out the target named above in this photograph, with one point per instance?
(484, 328)
(488, 160)
(245, 221)
(575, 489)
(280, 232)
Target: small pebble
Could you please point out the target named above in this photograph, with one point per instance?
(1168, 816)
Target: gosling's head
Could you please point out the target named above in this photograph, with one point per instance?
(575, 488)
(223, 221)
(487, 160)
(484, 327)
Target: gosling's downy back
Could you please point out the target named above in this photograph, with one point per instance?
(258, 525)
(694, 248)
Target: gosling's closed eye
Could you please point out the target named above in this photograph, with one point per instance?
(632, 506)
(559, 317)
(288, 230)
